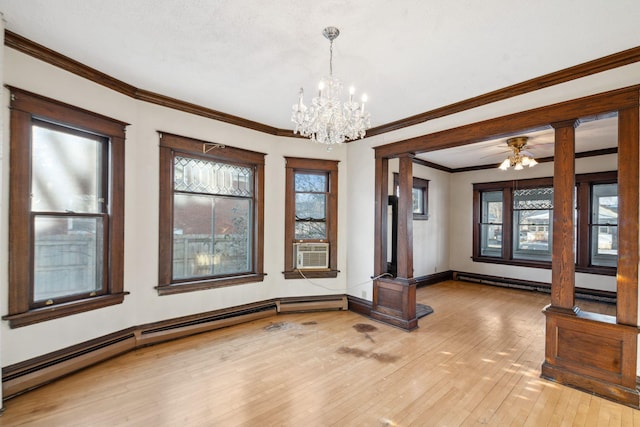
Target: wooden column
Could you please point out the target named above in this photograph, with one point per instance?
(405, 217)
(628, 215)
(380, 216)
(394, 299)
(590, 351)
(562, 261)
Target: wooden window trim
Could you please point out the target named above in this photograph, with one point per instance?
(583, 186)
(294, 164)
(25, 107)
(170, 145)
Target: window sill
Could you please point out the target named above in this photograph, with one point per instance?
(311, 274)
(201, 285)
(61, 310)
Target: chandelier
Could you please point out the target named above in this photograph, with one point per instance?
(327, 120)
(519, 158)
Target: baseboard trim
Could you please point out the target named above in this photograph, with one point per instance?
(614, 392)
(529, 285)
(359, 305)
(30, 374)
(431, 279)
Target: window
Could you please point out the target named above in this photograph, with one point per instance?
(420, 196)
(211, 215)
(491, 224)
(526, 208)
(311, 214)
(532, 213)
(604, 225)
(66, 213)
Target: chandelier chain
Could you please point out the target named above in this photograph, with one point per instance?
(331, 58)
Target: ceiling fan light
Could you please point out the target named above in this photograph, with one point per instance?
(525, 161)
(505, 165)
(532, 162)
(518, 166)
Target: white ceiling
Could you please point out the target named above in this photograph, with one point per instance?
(249, 57)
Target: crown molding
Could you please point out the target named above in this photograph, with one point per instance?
(609, 62)
(24, 45)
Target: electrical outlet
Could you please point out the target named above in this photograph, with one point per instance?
(364, 294)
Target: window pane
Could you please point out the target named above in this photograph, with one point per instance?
(311, 206)
(212, 236)
(491, 224)
(311, 182)
(604, 209)
(604, 246)
(66, 172)
(68, 256)
(310, 230)
(418, 204)
(532, 234)
(491, 237)
(206, 176)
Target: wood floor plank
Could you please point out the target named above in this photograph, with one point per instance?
(475, 361)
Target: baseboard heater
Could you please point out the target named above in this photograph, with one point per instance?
(181, 327)
(508, 282)
(32, 373)
(27, 375)
(315, 303)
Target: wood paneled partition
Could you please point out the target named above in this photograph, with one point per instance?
(394, 298)
(593, 352)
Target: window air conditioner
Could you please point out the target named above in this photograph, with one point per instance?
(311, 255)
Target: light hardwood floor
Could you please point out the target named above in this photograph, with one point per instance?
(475, 361)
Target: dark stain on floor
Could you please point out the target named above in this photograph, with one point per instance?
(309, 323)
(380, 357)
(278, 326)
(364, 327)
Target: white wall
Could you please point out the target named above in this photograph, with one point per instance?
(143, 305)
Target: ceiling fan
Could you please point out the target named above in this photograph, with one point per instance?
(520, 157)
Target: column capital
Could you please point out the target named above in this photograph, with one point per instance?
(573, 123)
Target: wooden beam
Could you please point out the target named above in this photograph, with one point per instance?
(524, 121)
